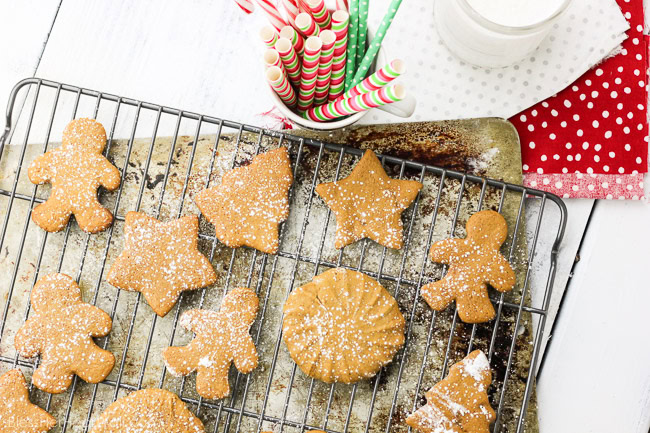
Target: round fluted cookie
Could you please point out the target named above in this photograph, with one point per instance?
(148, 411)
(342, 327)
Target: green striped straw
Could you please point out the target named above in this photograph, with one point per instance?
(363, 30)
(353, 30)
(365, 64)
(356, 104)
(377, 80)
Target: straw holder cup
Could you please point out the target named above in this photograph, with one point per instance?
(403, 108)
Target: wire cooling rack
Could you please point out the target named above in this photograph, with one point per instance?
(182, 153)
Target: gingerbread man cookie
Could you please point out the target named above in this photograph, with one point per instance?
(459, 403)
(76, 169)
(473, 262)
(342, 327)
(369, 204)
(17, 413)
(62, 331)
(148, 411)
(250, 203)
(160, 260)
(221, 338)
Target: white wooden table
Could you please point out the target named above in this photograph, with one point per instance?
(596, 374)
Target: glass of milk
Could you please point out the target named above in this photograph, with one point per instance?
(495, 33)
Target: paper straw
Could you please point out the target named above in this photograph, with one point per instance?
(341, 5)
(245, 5)
(362, 31)
(303, 6)
(374, 46)
(351, 54)
(328, 38)
(377, 80)
(272, 13)
(292, 9)
(340, 21)
(307, 25)
(269, 36)
(310, 63)
(320, 13)
(296, 40)
(280, 84)
(356, 104)
(272, 58)
(289, 59)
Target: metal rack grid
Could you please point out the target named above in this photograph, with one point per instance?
(261, 271)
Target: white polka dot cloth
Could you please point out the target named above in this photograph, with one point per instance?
(447, 88)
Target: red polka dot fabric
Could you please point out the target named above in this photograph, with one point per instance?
(591, 139)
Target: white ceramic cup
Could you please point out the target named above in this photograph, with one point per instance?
(403, 108)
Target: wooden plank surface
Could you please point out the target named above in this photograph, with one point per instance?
(596, 377)
(187, 54)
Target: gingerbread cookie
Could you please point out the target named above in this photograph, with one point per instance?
(148, 411)
(459, 403)
(221, 338)
(17, 413)
(369, 204)
(342, 327)
(61, 330)
(473, 262)
(160, 260)
(250, 203)
(76, 169)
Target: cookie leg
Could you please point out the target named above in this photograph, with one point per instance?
(94, 218)
(438, 294)
(51, 216)
(95, 365)
(52, 378)
(212, 382)
(474, 306)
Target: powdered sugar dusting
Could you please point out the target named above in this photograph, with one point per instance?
(342, 327)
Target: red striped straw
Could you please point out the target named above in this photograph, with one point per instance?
(290, 60)
(269, 36)
(245, 5)
(272, 13)
(272, 58)
(342, 5)
(310, 63)
(320, 13)
(296, 40)
(292, 9)
(356, 104)
(278, 81)
(325, 67)
(307, 25)
(340, 21)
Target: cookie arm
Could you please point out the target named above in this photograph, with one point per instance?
(442, 251)
(501, 275)
(192, 320)
(96, 321)
(110, 175)
(245, 356)
(40, 170)
(28, 341)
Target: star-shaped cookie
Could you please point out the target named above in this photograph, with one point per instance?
(251, 201)
(369, 204)
(17, 413)
(148, 411)
(160, 260)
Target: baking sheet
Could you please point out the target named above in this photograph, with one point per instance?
(487, 147)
